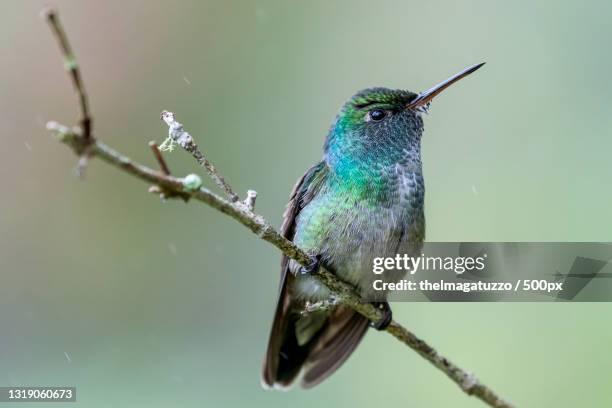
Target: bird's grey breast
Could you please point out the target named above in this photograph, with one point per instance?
(394, 225)
(352, 230)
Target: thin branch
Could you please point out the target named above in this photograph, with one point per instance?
(72, 67)
(160, 159)
(156, 189)
(81, 166)
(190, 186)
(184, 139)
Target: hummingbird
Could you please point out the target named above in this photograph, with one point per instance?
(363, 200)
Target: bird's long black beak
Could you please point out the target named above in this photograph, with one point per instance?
(424, 98)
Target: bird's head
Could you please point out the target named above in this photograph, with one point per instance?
(378, 123)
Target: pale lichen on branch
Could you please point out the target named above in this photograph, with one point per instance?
(177, 134)
(84, 145)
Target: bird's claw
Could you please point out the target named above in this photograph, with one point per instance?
(314, 265)
(383, 323)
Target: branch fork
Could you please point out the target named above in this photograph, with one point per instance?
(164, 193)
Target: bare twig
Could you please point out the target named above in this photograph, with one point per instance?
(178, 134)
(72, 67)
(163, 192)
(190, 186)
(81, 166)
(160, 159)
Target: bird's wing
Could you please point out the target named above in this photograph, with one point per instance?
(275, 371)
(334, 336)
(303, 192)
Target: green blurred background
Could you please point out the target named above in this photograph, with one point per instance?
(141, 303)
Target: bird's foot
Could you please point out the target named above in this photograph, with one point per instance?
(383, 323)
(311, 268)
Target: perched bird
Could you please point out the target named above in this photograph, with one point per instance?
(363, 200)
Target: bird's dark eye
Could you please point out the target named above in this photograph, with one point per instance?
(377, 115)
